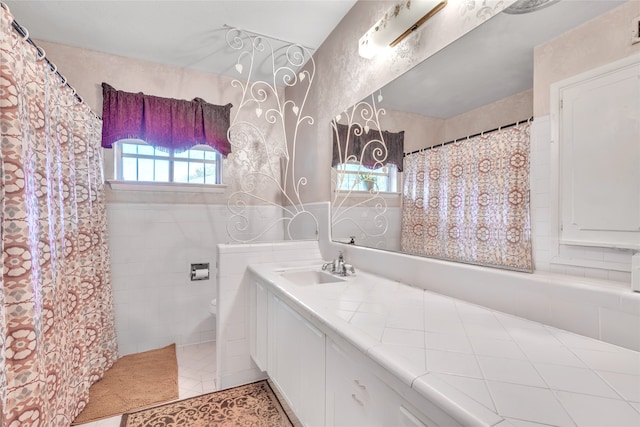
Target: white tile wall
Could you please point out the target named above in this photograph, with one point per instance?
(152, 247)
(235, 366)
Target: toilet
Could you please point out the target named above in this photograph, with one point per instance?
(213, 307)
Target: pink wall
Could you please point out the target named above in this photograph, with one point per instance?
(87, 69)
(419, 131)
(597, 42)
(501, 112)
(423, 131)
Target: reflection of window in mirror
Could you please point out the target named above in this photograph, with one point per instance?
(356, 177)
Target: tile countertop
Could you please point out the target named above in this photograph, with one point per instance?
(482, 366)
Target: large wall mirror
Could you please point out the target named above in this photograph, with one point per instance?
(436, 162)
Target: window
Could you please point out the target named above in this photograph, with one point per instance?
(355, 177)
(141, 162)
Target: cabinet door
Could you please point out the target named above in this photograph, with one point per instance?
(298, 366)
(358, 398)
(287, 364)
(312, 375)
(258, 325)
(348, 404)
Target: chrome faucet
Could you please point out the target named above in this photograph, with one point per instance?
(338, 266)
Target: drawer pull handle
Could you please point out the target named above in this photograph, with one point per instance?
(359, 384)
(357, 400)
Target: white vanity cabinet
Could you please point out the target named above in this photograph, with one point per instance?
(298, 362)
(348, 400)
(291, 350)
(328, 384)
(356, 397)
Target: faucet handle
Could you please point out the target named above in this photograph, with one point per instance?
(350, 268)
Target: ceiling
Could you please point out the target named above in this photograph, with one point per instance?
(493, 61)
(188, 34)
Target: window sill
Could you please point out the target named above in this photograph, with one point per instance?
(367, 195)
(165, 187)
(604, 265)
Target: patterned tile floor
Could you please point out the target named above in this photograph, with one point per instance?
(196, 375)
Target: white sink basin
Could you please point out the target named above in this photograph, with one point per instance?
(313, 277)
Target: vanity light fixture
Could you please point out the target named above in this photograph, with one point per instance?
(399, 21)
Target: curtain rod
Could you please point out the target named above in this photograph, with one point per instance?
(265, 36)
(24, 33)
(530, 119)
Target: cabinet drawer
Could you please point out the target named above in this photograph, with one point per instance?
(348, 400)
(356, 397)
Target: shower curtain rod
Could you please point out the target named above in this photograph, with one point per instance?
(24, 33)
(530, 119)
(264, 36)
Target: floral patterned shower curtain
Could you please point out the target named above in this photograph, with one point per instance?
(57, 332)
(469, 201)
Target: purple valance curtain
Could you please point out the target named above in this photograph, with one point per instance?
(353, 143)
(164, 122)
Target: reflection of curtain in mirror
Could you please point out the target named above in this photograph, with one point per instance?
(469, 201)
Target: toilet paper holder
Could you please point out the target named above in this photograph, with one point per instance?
(200, 271)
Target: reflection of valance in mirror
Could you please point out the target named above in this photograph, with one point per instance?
(164, 122)
(372, 149)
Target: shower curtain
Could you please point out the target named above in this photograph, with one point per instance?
(469, 201)
(57, 332)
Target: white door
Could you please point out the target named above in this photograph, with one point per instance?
(599, 123)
